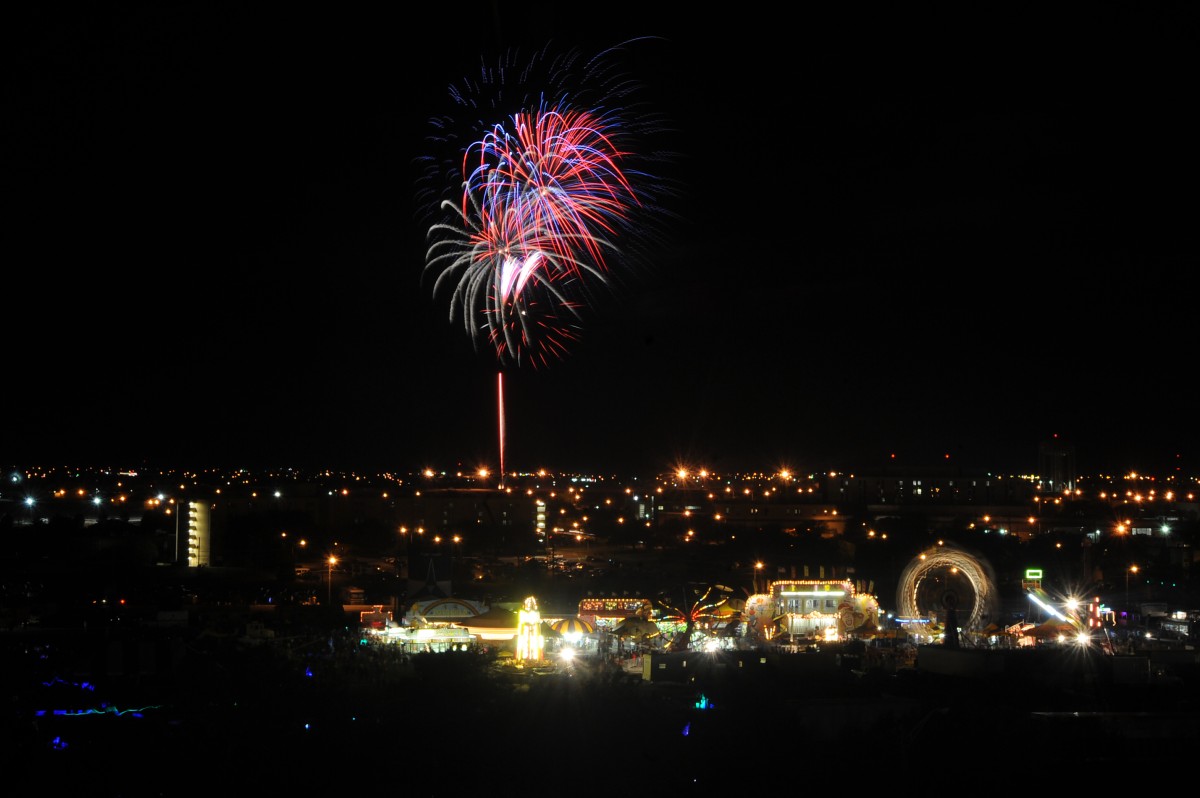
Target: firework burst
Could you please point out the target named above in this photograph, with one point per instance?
(541, 204)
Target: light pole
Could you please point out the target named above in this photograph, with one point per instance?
(758, 566)
(329, 592)
(1133, 569)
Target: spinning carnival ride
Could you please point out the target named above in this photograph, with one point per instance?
(945, 578)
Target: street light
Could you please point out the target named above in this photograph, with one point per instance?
(1133, 569)
(758, 566)
(329, 594)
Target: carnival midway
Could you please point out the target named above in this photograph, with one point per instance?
(946, 597)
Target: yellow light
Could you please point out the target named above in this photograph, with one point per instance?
(530, 643)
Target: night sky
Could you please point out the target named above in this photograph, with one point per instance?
(916, 234)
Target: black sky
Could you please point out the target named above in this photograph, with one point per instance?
(918, 233)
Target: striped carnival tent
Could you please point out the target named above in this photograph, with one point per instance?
(573, 627)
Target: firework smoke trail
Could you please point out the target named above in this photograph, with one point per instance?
(539, 204)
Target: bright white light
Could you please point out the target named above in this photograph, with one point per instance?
(567, 654)
(1046, 607)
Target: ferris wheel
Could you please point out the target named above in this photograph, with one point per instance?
(947, 577)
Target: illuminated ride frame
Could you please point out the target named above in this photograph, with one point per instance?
(531, 645)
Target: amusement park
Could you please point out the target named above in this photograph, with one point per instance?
(946, 597)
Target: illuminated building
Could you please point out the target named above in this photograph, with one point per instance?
(827, 609)
(199, 535)
(606, 613)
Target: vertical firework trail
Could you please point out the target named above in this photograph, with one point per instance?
(534, 206)
(500, 405)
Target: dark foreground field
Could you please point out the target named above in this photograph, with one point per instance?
(207, 715)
